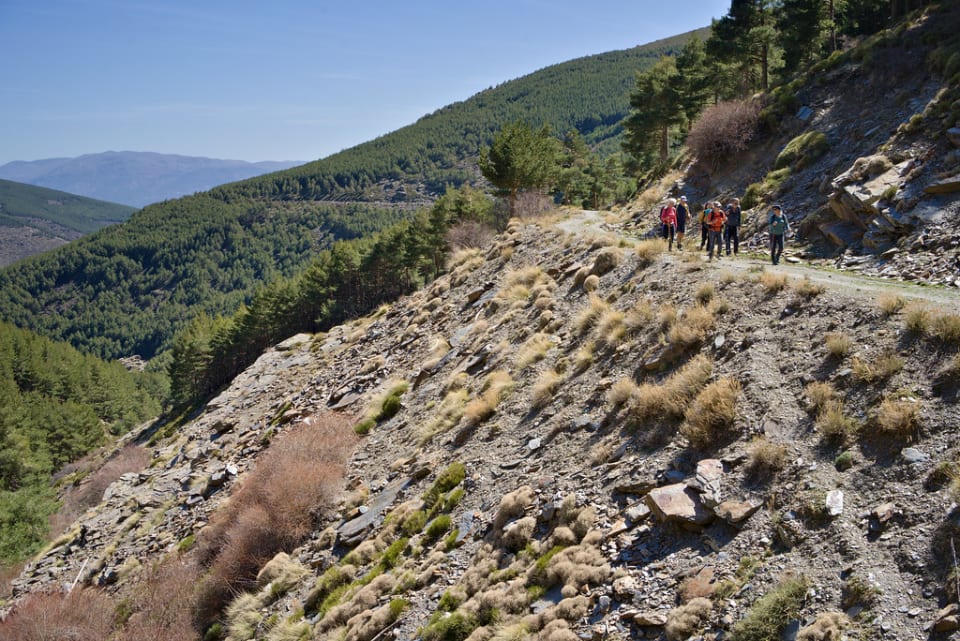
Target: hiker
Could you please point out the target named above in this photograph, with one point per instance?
(704, 230)
(731, 232)
(715, 221)
(668, 220)
(682, 212)
(778, 227)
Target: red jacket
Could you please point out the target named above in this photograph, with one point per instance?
(668, 215)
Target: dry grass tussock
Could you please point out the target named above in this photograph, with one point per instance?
(449, 413)
(710, 419)
(274, 509)
(544, 389)
(686, 619)
(838, 344)
(611, 328)
(652, 403)
(876, 369)
(898, 418)
(765, 458)
(495, 388)
(589, 316)
(534, 349)
(922, 321)
(819, 394)
(692, 327)
(808, 289)
(827, 627)
(833, 423)
(649, 250)
(772, 283)
(890, 304)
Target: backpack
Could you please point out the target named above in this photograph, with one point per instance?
(778, 226)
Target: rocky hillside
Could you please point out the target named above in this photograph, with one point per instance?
(865, 155)
(576, 436)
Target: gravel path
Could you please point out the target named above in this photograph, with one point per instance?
(856, 285)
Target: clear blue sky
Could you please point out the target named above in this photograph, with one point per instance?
(281, 79)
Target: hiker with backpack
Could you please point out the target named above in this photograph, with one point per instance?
(715, 221)
(731, 232)
(668, 220)
(704, 230)
(778, 227)
(682, 212)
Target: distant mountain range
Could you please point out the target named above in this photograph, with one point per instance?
(135, 178)
(36, 219)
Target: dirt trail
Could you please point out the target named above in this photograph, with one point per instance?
(866, 288)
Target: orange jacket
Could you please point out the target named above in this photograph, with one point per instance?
(715, 219)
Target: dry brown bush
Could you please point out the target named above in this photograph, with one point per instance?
(513, 505)
(274, 508)
(700, 585)
(162, 602)
(773, 283)
(85, 614)
(89, 492)
(723, 129)
(469, 234)
(544, 389)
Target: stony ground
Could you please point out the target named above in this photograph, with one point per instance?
(647, 520)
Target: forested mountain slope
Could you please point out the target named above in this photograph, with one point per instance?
(128, 289)
(35, 219)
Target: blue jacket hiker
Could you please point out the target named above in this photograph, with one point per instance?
(778, 227)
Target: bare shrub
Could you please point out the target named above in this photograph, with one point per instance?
(469, 234)
(710, 418)
(89, 492)
(84, 614)
(162, 602)
(274, 508)
(683, 621)
(723, 130)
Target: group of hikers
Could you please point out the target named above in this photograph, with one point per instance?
(719, 226)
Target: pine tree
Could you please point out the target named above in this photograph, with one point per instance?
(655, 108)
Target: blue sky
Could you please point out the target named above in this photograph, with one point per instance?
(284, 79)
